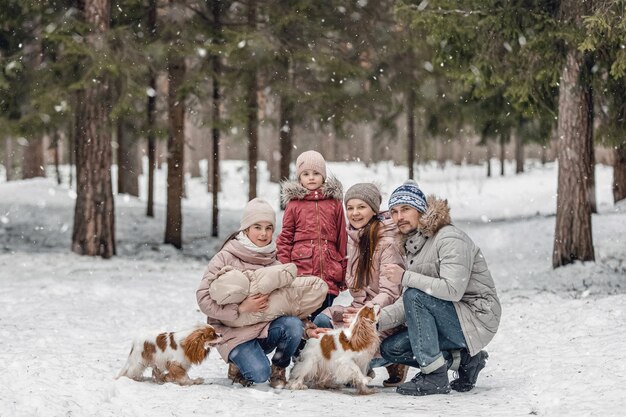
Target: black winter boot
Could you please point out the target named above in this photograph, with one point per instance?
(468, 370)
(435, 382)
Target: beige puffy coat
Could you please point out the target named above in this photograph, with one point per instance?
(290, 295)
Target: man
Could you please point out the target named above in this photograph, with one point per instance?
(449, 305)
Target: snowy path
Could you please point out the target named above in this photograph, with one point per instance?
(66, 321)
(66, 332)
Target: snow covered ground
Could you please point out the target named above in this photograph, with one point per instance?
(66, 321)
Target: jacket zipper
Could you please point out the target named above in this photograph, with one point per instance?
(319, 239)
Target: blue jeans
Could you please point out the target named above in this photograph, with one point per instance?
(433, 329)
(322, 320)
(284, 335)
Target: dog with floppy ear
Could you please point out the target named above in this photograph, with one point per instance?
(170, 355)
(340, 356)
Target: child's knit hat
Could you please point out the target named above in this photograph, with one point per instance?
(257, 210)
(409, 194)
(367, 192)
(311, 160)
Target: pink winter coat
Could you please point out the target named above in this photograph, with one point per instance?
(382, 290)
(239, 257)
(313, 235)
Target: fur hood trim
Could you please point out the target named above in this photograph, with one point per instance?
(437, 216)
(293, 190)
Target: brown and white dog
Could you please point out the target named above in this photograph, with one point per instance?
(340, 356)
(170, 355)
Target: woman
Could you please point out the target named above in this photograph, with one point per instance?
(245, 347)
(371, 244)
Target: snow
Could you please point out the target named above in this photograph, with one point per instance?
(67, 321)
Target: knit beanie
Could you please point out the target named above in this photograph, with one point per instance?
(257, 210)
(409, 194)
(367, 192)
(311, 160)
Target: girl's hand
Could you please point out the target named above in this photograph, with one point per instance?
(348, 315)
(316, 332)
(254, 303)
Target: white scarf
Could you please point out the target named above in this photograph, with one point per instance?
(245, 241)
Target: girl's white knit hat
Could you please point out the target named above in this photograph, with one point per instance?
(310, 160)
(257, 210)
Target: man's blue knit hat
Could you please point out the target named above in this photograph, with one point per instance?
(410, 195)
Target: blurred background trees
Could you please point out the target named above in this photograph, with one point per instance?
(100, 85)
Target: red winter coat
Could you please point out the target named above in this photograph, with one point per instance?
(314, 235)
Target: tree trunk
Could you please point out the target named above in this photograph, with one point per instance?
(175, 149)
(194, 148)
(619, 172)
(489, 156)
(286, 126)
(33, 159)
(328, 143)
(573, 239)
(71, 148)
(252, 113)
(8, 158)
(410, 128)
(544, 155)
(127, 162)
(504, 138)
(217, 10)
(94, 214)
(151, 110)
(519, 154)
(368, 144)
(591, 168)
(55, 150)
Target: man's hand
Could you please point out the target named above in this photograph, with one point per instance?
(254, 303)
(393, 272)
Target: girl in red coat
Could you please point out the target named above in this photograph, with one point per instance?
(314, 227)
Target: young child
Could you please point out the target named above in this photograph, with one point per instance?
(245, 347)
(289, 295)
(314, 227)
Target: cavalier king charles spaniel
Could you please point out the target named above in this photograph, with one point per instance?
(340, 356)
(170, 355)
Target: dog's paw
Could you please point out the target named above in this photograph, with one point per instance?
(296, 385)
(365, 390)
(197, 381)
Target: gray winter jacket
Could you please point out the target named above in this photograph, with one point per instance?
(444, 262)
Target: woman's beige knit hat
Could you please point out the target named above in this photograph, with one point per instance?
(367, 192)
(257, 210)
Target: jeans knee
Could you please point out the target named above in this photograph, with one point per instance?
(413, 294)
(322, 320)
(293, 327)
(384, 351)
(389, 350)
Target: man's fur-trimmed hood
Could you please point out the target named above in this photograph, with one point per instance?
(293, 190)
(437, 216)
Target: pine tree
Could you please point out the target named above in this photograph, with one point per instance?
(94, 215)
